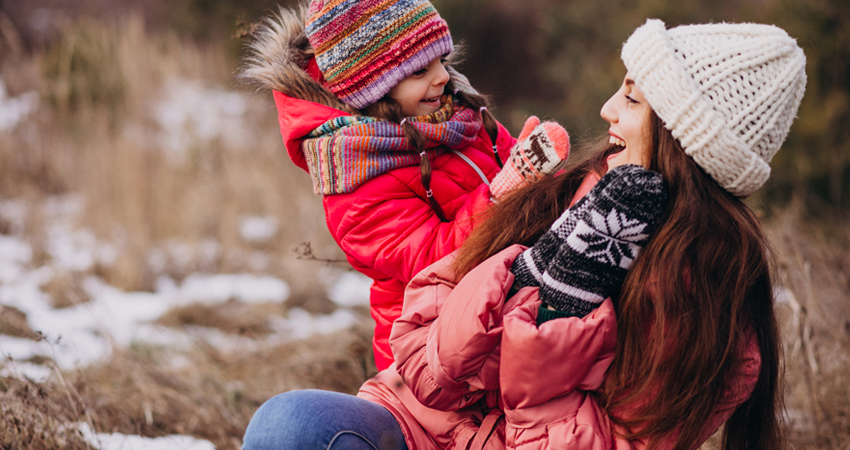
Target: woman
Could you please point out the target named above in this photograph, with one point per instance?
(694, 343)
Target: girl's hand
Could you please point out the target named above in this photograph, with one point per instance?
(540, 149)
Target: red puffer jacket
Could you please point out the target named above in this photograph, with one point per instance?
(475, 371)
(386, 227)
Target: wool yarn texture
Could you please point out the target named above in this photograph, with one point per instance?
(583, 258)
(364, 48)
(728, 92)
(345, 152)
(540, 149)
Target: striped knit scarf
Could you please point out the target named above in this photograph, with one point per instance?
(345, 152)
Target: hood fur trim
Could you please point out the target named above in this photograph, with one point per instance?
(278, 55)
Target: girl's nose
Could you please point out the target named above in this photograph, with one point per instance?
(442, 76)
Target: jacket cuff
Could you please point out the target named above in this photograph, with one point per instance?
(545, 314)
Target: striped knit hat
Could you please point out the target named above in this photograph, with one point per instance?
(364, 48)
(727, 91)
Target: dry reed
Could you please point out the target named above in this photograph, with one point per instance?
(814, 260)
(102, 133)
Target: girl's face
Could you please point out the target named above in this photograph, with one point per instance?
(627, 113)
(419, 94)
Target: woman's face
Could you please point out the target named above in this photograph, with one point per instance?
(627, 113)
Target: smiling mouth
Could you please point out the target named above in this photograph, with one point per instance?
(431, 100)
(616, 141)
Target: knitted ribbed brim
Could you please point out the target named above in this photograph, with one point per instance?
(727, 92)
(364, 48)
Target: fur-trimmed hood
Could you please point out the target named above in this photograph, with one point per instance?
(278, 58)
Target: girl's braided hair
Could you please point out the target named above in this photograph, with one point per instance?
(389, 109)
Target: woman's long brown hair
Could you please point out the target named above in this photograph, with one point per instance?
(700, 287)
(525, 214)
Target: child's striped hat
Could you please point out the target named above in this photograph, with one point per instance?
(364, 48)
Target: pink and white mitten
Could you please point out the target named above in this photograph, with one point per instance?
(540, 148)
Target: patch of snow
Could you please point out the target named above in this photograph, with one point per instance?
(13, 110)
(15, 347)
(257, 230)
(14, 255)
(212, 289)
(301, 324)
(83, 334)
(72, 248)
(191, 114)
(62, 208)
(116, 311)
(14, 212)
(117, 441)
(349, 288)
(20, 369)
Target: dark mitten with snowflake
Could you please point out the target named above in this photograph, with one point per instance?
(583, 258)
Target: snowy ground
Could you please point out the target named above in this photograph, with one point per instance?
(80, 335)
(188, 112)
(116, 441)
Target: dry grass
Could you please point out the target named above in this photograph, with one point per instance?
(35, 416)
(13, 322)
(814, 263)
(210, 394)
(154, 391)
(98, 134)
(95, 135)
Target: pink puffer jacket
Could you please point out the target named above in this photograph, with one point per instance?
(474, 371)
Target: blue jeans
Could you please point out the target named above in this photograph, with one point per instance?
(313, 419)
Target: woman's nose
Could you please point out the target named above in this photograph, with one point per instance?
(609, 111)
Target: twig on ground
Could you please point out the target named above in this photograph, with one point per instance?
(304, 251)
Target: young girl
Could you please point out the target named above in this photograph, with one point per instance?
(400, 145)
(694, 342)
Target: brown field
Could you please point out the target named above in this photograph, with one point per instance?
(96, 134)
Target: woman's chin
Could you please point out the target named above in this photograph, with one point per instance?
(617, 159)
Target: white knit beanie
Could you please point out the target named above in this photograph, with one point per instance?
(727, 92)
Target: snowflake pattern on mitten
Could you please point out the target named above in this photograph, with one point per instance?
(584, 256)
(609, 239)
